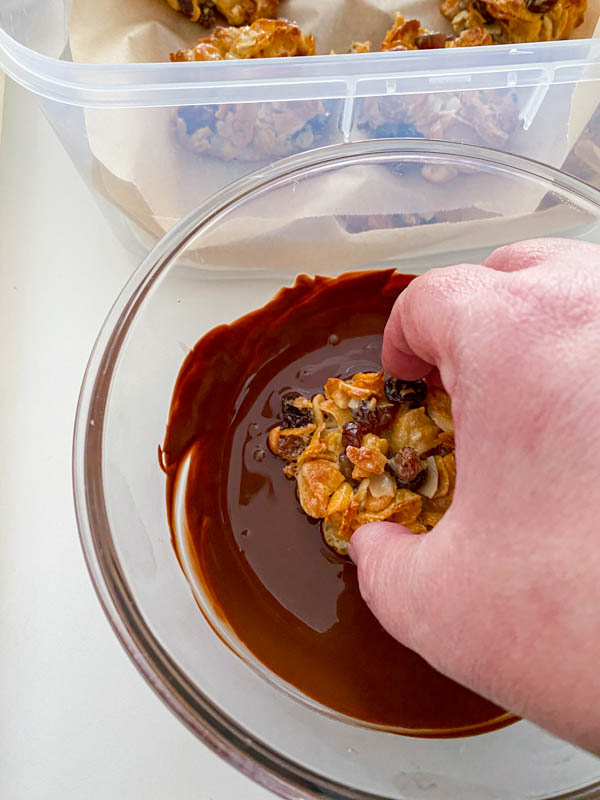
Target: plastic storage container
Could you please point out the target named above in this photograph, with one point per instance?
(554, 88)
(210, 269)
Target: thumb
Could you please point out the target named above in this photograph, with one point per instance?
(397, 581)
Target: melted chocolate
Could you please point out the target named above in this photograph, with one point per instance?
(292, 601)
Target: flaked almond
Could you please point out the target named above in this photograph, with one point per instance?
(429, 488)
(382, 485)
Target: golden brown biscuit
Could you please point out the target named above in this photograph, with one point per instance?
(517, 20)
(368, 449)
(236, 12)
(410, 35)
(473, 117)
(265, 38)
(251, 131)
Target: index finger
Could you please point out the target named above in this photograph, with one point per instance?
(422, 331)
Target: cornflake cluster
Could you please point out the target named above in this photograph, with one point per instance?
(251, 131)
(369, 449)
(261, 131)
(510, 21)
(265, 38)
(236, 12)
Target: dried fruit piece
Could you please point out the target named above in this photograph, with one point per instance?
(408, 469)
(289, 444)
(410, 392)
(351, 435)
(296, 411)
(370, 417)
(430, 41)
(346, 468)
(291, 447)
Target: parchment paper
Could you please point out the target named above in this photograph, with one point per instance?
(145, 171)
(321, 245)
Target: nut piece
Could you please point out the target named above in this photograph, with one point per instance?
(439, 408)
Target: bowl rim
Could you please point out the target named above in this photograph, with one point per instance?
(218, 731)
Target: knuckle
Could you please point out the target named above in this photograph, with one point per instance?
(556, 301)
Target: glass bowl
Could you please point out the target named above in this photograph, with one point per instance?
(412, 204)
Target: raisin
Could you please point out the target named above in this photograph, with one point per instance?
(291, 447)
(318, 123)
(407, 468)
(365, 416)
(410, 392)
(540, 6)
(351, 435)
(397, 130)
(293, 417)
(430, 41)
(187, 7)
(371, 420)
(346, 467)
(385, 418)
(197, 117)
(207, 16)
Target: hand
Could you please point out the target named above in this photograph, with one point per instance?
(504, 594)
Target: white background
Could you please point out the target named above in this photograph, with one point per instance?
(76, 719)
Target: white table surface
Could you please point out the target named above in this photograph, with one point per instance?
(76, 719)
